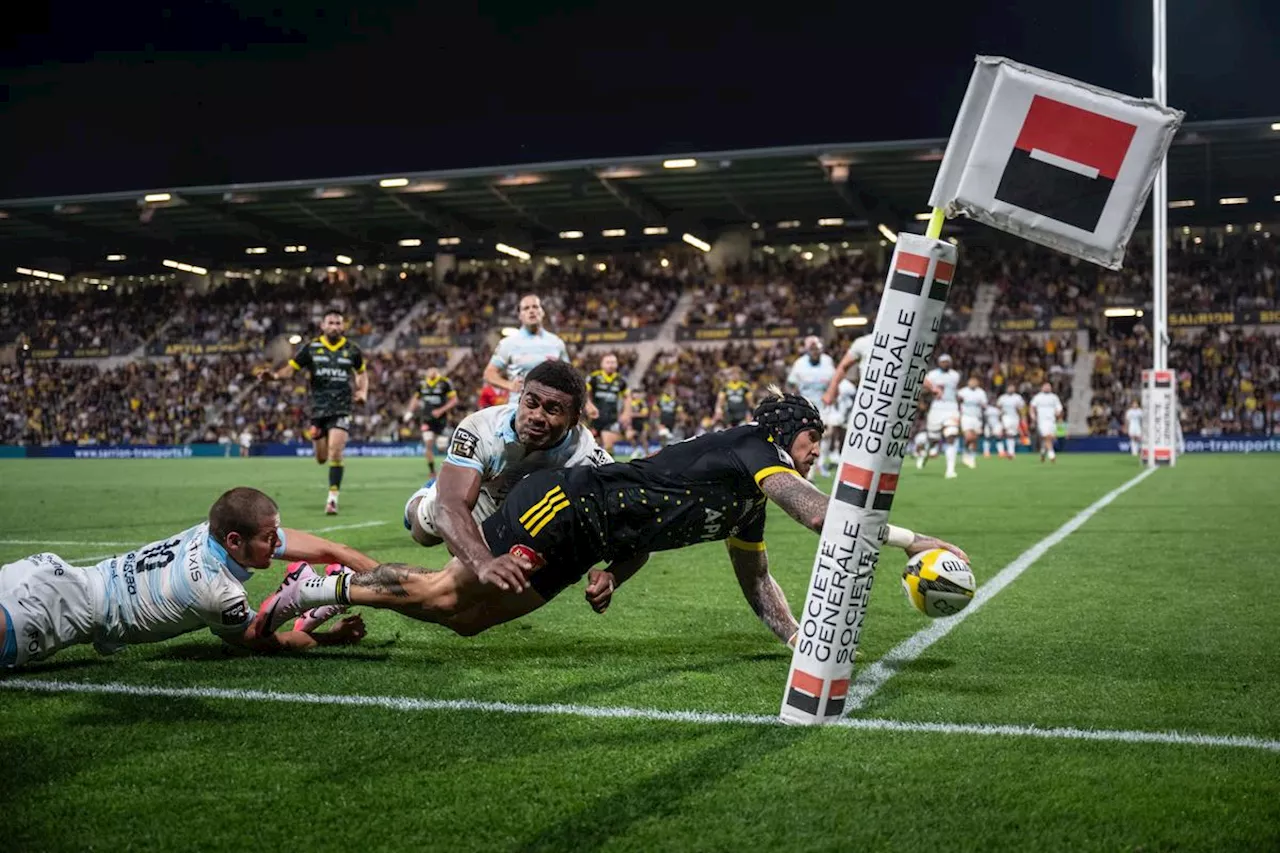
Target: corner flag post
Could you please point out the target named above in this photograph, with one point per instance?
(879, 434)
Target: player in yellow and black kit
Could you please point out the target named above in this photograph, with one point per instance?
(335, 365)
(608, 403)
(436, 397)
(734, 403)
(638, 434)
(555, 525)
(668, 410)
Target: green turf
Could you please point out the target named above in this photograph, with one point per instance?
(1154, 616)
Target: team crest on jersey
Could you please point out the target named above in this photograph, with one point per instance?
(464, 444)
(236, 613)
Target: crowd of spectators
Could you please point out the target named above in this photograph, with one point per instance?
(1228, 380)
(38, 317)
(162, 401)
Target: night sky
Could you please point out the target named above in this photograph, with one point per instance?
(133, 95)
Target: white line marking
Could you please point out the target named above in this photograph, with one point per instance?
(1064, 163)
(90, 560)
(871, 679)
(64, 542)
(349, 526)
(407, 704)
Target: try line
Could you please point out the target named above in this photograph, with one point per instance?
(409, 704)
(873, 677)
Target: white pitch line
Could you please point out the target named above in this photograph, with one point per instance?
(64, 542)
(349, 526)
(409, 704)
(873, 677)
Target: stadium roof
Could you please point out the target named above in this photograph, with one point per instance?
(1219, 172)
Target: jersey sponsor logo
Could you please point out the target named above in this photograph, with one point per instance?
(464, 444)
(711, 525)
(236, 613)
(600, 457)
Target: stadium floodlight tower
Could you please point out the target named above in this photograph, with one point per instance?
(1050, 159)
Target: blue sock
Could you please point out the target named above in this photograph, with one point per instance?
(9, 652)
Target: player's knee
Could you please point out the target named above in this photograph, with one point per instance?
(423, 538)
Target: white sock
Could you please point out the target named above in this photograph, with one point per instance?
(1052, 455)
(1009, 445)
(951, 457)
(318, 591)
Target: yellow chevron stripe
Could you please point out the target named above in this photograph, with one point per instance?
(553, 500)
(536, 508)
(555, 508)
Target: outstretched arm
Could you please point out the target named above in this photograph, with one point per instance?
(833, 387)
(807, 505)
(751, 564)
(300, 545)
(256, 639)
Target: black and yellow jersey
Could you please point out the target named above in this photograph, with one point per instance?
(668, 408)
(434, 393)
(332, 366)
(607, 391)
(737, 401)
(639, 408)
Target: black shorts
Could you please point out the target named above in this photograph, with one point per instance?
(436, 426)
(606, 425)
(542, 513)
(324, 423)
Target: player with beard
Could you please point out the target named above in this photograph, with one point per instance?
(531, 345)
(556, 525)
(335, 365)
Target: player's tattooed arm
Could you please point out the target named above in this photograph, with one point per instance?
(797, 498)
(762, 591)
(387, 578)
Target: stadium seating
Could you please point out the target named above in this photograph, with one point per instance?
(1228, 381)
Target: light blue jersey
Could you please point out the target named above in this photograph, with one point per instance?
(811, 380)
(172, 586)
(519, 353)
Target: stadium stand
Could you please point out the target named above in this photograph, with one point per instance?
(1228, 380)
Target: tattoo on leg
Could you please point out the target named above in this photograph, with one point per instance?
(387, 578)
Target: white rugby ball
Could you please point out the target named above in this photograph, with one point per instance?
(938, 583)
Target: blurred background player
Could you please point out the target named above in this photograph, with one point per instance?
(1011, 405)
(734, 402)
(973, 404)
(492, 395)
(1133, 424)
(436, 397)
(246, 441)
(943, 421)
(638, 434)
(992, 431)
(1046, 411)
(853, 359)
(335, 364)
(608, 403)
(531, 345)
(810, 376)
(668, 411)
(836, 417)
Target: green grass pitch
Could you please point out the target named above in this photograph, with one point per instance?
(1156, 616)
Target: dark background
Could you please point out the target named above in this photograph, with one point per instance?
(133, 95)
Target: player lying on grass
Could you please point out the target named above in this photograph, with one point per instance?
(556, 525)
(187, 581)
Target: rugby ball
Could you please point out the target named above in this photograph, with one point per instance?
(938, 583)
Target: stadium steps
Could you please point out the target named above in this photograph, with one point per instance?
(983, 302)
(648, 350)
(388, 342)
(1081, 387)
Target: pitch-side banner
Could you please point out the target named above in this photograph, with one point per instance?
(1159, 427)
(1053, 160)
(880, 432)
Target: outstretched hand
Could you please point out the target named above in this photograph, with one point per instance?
(508, 572)
(350, 630)
(599, 591)
(928, 543)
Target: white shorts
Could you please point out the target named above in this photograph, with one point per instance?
(1135, 436)
(994, 429)
(1010, 426)
(425, 517)
(968, 423)
(50, 605)
(943, 419)
(1047, 430)
(832, 416)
